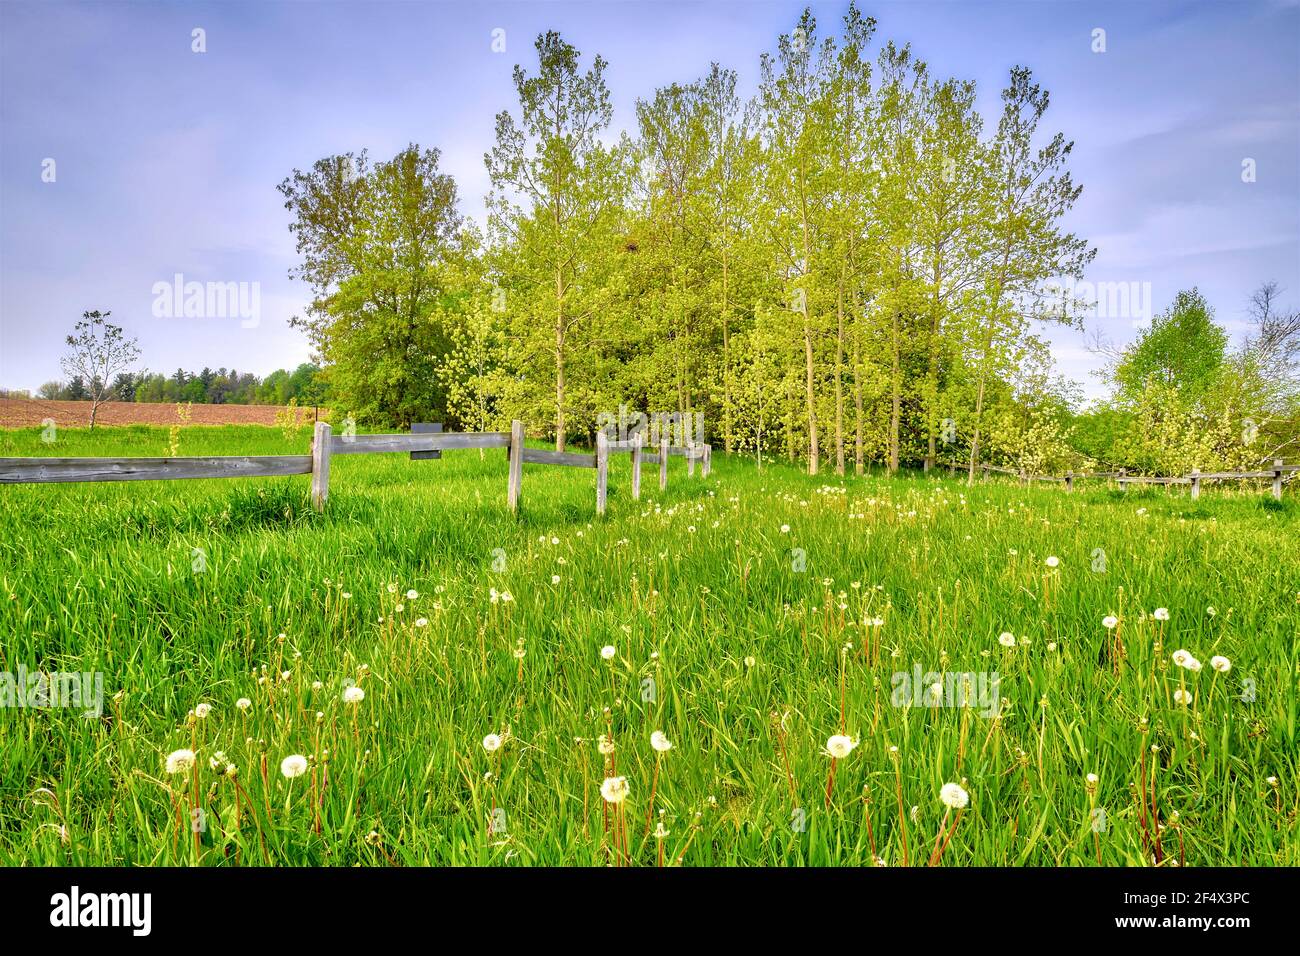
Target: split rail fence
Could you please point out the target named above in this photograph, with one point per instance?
(1277, 473)
(425, 441)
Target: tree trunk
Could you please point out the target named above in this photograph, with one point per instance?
(839, 378)
(896, 396)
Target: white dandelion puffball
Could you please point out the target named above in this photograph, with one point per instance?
(421, 622)
(953, 796)
(785, 529)
(412, 594)
(202, 710)
(660, 743)
(1194, 665)
(294, 765)
(1092, 778)
(1220, 663)
(1007, 639)
(614, 789)
(353, 695)
(243, 703)
(1182, 697)
(1182, 656)
(178, 761)
(1052, 561)
(608, 652)
(604, 745)
(1110, 621)
(1161, 614)
(839, 746)
(492, 743)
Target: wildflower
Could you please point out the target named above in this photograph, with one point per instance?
(1181, 657)
(1110, 621)
(614, 789)
(838, 746)
(604, 745)
(1272, 781)
(1052, 561)
(1182, 697)
(243, 703)
(353, 695)
(492, 743)
(421, 622)
(1007, 639)
(1220, 663)
(1091, 780)
(749, 661)
(659, 742)
(178, 761)
(1161, 614)
(785, 529)
(412, 594)
(660, 831)
(1211, 611)
(608, 652)
(952, 795)
(555, 579)
(202, 710)
(294, 765)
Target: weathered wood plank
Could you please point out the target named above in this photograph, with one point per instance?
(369, 444)
(663, 464)
(636, 466)
(536, 456)
(602, 472)
(321, 444)
(516, 464)
(426, 428)
(41, 470)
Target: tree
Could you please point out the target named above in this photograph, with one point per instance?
(382, 250)
(554, 211)
(1028, 192)
(97, 351)
(1183, 348)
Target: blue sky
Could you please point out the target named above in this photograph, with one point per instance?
(167, 160)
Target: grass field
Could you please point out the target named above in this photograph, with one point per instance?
(735, 606)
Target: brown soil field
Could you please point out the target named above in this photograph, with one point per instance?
(29, 412)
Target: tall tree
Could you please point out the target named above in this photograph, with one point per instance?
(555, 208)
(384, 251)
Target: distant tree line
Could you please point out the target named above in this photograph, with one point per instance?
(221, 386)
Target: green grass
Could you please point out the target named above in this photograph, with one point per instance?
(99, 577)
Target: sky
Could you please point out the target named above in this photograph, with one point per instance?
(165, 160)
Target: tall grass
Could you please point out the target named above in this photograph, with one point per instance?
(736, 608)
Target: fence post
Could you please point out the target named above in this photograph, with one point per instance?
(663, 463)
(707, 465)
(320, 465)
(1069, 481)
(1196, 483)
(602, 469)
(637, 441)
(516, 452)
(1277, 478)
(690, 459)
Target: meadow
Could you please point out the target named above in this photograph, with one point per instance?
(417, 677)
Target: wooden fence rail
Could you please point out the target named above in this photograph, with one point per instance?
(1123, 479)
(424, 442)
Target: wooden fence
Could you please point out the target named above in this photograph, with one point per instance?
(425, 441)
(1123, 479)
